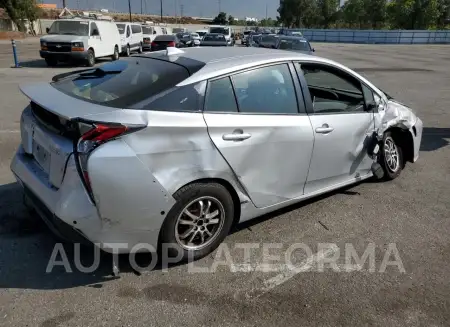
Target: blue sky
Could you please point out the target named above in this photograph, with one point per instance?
(204, 8)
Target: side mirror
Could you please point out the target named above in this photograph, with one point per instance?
(154, 32)
(371, 105)
(313, 50)
(47, 29)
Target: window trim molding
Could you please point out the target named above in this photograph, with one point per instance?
(229, 75)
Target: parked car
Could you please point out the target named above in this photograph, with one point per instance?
(225, 30)
(162, 42)
(196, 36)
(214, 40)
(177, 147)
(80, 39)
(268, 41)
(131, 37)
(188, 40)
(201, 33)
(294, 43)
(254, 40)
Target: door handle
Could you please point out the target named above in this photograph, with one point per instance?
(325, 129)
(236, 136)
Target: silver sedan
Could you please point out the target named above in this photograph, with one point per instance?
(177, 146)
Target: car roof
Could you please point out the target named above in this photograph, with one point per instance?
(224, 60)
(291, 37)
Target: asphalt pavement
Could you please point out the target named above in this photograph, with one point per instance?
(406, 219)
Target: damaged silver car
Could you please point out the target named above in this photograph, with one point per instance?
(178, 146)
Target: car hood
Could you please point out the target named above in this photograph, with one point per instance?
(62, 38)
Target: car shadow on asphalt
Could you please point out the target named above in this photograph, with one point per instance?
(27, 245)
(434, 138)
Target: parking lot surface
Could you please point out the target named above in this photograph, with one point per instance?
(411, 213)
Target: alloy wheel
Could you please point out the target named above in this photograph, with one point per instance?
(391, 155)
(199, 223)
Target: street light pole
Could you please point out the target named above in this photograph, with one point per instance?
(129, 8)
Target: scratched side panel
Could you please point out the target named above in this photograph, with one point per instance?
(176, 149)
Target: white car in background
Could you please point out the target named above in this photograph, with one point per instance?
(202, 33)
(130, 37)
(196, 37)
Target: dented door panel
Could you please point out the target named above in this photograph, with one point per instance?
(270, 154)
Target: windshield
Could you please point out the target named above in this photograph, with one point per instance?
(220, 30)
(69, 28)
(210, 37)
(299, 45)
(146, 30)
(121, 28)
(123, 83)
(201, 33)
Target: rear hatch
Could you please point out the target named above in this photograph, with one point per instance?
(162, 45)
(62, 111)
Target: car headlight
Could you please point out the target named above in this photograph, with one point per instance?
(43, 44)
(77, 45)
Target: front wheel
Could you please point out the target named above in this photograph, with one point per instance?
(116, 54)
(198, 222)
(391, 157)
(91, 58)
(140, 50)
(128, 51)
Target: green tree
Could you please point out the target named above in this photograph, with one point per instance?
(221, 19)
(327, 12)
(413, 14)
(354, 13)
(297, 13)
(21, 10)
(375, 12)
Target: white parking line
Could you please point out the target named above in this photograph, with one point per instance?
(288, 272)
(2, 131)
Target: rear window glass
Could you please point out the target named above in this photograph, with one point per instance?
(292, 44)
(121, 28)
(216, 37)
(147, 30)
(123, 83)
(164, 38)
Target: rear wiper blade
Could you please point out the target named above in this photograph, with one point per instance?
(97, 73)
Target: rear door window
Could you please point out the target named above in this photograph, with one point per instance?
(123, 83)
(136, 29)
(220, 96)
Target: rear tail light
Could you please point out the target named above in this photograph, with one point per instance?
(154, 44)
(171, 44)
(92, 136)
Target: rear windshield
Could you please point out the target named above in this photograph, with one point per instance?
(292, 44)
(147, 30)
(212, 37)
(220, 30)
(123, 83)
(164, 38)
(121, 28)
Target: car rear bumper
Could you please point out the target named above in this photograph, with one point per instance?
(69, 212)
(64, 56)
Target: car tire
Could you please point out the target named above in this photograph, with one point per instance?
(51, 62)
(140, 50)
(128, 51)
(91, 58)
(116, 54)
(212, 230)
(391, 157)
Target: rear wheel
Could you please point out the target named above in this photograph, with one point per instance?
(128, 51)
(199, 221)
(116, 54)
(51, 62)
(91, 58)
(391, 157)
(140, 48)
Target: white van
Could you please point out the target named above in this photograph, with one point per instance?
(80, 39)
(130, 37)
(225, 30)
